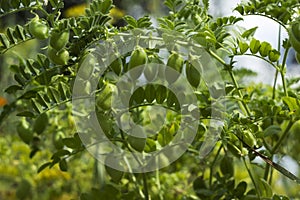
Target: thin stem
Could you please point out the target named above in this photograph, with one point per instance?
(283, 136)
(145, 186)
(213, 164)
(274, 85)
(146, 193)
(267, 170)
(130, 149)
(243, 104)
(251, 176)
(279, 38)
(283, 69)
(40, 8)
(257, 56)
(266, 145)
(282, 73)
(271, 176)
(15, 11)
(275, 148)
(276, 73)
(14, 45)
(158, 183)
(220, 60)
(263, 15)
(130, 170)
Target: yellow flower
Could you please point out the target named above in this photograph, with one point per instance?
(116, 14)
(75, 11)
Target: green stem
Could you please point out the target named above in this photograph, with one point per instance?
(274, 19)
(271, 176)
(130, 149)
(283, 136)
(274, 85)
(257, 56)
(16, 11)
(130, 170)
(146, 193)
(276, 73)
(267, 170)
(275, 148)
(242, 103)
(96, 172)
(213, 164)
(266, 145)
(158, 184)
(220, 60)
(279, 38)
(282, 71)
(40, 8)
(251, 176)
(14, 45)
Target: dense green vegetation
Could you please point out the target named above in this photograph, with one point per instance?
(154, 109)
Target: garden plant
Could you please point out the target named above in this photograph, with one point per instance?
(155, 109)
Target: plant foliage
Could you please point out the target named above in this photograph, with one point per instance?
(261, 122)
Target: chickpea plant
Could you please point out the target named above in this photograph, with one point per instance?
(261, 122)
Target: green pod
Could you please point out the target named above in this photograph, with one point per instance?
(117, 66)
(192, 75)
(58, 57)
(249, 138)
(59, 40)
(151, 70)
(38, 28)
(175, 61)
(138, 58)
(103, 100)
(105, 123)
(87, 66)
